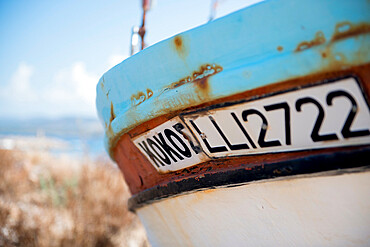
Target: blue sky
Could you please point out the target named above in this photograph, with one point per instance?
(52, 53)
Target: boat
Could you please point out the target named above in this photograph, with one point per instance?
(250, 130)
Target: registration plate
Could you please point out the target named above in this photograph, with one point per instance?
(326, 115)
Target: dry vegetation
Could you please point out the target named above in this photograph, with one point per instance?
(49, 201)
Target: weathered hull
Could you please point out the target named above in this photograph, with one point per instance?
(325, 209)
(250, 130)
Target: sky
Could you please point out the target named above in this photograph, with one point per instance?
(52, 53)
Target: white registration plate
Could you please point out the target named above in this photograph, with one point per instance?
(326, 115)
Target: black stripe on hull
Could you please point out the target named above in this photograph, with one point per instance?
(239, 176)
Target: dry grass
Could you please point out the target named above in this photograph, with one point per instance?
(49, 201)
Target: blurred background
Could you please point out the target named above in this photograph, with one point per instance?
(57, 185)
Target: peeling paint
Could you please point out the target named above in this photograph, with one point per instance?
(140, 97)
(347, 29)
(342, 30)
(318, 40)
(329, 59)
(126, 150)
(149, 93)
(199, 77)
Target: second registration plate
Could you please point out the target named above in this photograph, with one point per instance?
(326, 115)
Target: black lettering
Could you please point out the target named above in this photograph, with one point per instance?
(243, 130)
(346, 130)
(231, 146)
(261, 139)
(164, 158)
(315, 136)
(211, 149)
(285, 107)
(150, 154)
(169, 150)
(169, 134)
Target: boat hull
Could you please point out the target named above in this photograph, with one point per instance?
(252, 130)
(322, 209)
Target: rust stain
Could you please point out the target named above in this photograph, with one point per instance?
(347, 29)
(102, 86)
(318, 40)
(342, 30)
(134, 164)
(178, 43)
(149, 93)
(203, 84)
(280, 48)
(107, 94)
(180, 47)
(333, 60)
(140, 97)
(109, 131)
(199, 77)
(102, 83)
(334, 64)
(112, 115)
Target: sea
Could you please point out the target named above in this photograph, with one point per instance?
(71, 135)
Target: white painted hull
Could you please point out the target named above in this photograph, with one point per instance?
(324, 209)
